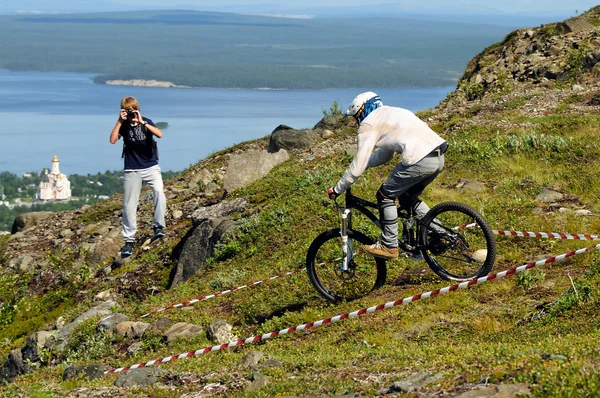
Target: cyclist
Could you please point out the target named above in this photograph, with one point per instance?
(392, 130)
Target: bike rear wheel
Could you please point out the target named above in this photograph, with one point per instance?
(459, 244)
(324, 260)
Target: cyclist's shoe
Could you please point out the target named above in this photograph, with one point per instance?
(127, 249)
(378, 249)
(158, 233)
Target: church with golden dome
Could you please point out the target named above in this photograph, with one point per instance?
(54, 184)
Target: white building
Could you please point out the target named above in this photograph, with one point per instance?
(54, 185)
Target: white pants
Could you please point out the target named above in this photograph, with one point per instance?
(132, 187)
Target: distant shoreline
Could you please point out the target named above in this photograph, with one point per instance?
(165, 84)
(144, 83)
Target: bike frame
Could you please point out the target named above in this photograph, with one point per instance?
(362, 205)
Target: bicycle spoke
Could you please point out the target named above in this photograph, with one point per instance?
(324, 262)
(458, 242)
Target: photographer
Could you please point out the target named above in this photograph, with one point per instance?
(141, 165)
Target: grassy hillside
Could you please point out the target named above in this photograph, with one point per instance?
(232, 51)
(539, 328)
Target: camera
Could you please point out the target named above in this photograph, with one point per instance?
(131, 114)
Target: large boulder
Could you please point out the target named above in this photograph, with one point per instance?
(286, 137)
(210, 225)
(199, 246)
(220, 210)
(245, 168)
(26, 220)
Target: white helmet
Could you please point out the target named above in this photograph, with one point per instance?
(362, 105)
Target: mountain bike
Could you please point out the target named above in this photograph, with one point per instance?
(454, 239)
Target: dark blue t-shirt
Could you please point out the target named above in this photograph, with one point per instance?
(139, 147)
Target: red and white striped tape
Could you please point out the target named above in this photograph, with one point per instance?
(544, 235)
(204, 298)
(548, 235)
(356, 313)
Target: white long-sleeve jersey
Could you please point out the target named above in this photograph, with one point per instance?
(391, 130)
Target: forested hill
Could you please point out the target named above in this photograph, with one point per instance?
(522, 129)
(239, 51)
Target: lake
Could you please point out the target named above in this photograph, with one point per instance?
(66, 114)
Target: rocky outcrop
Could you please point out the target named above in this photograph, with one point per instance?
(286, 137)
(200, 246)
(551, 53)
(245, 168)
(27, 220)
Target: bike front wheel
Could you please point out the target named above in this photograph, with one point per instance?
(324, 266)
(458, 244)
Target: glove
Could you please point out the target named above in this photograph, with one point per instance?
(332, 194)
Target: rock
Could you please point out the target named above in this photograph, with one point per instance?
(245, 168)
(272, 363)
(220, 332)
(583, 212)
(66, 233)
(177, 214)
(91, 372)
(259, 380)
(201, 178)
(471, 186)
(60, 341)
(415, 382)
(22, 263)
(251, 359)
(182, 330)
(221, 210)
(286, 138)
(134, 349)
(199, 246)
(13, 367)
(160, 325)
(35, 342)
(136, 330)
(329, 122)
(325, 134)
(141, 377)
(548, 195)
(27, 220)
(479, 255)
(60, 323)
(554, 357)
(122, 327)
(109, 324)
(106, 294)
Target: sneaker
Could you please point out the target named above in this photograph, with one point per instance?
(158, 233)
(377, 249)
(127, 249)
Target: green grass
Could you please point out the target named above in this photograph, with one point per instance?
(539, 327)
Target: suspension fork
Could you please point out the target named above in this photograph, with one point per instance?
(346, 243)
